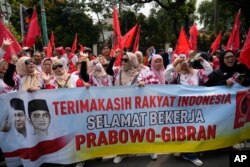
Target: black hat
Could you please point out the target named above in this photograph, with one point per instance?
(37, 104)
(17, 104)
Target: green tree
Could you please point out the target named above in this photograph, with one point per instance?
(64, 18)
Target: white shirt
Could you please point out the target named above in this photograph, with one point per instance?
(5, 88)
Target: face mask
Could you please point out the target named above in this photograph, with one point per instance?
(98, 66)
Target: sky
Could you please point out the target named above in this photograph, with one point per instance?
(148, 6)
(146, 11)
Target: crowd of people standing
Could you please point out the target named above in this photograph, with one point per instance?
(31, 72)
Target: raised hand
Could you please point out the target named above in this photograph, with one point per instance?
(47, 78)
(6, 42)
(6, 124)
(14, 59)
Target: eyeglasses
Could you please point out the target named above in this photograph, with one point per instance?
(229, 57)
(29, 61)
(37, 55)
(125, 60)
(55, 66)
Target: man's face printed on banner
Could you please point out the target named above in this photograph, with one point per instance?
(40, 120)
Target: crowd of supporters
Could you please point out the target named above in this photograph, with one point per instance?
(32, 71)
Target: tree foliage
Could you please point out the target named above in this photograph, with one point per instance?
(65, 19)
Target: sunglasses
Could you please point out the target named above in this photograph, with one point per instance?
(29, 61)
(55, 66)
(125, 60)
(229, 57)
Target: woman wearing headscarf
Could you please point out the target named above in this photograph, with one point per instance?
(27, 78)
(142, 68)
(229, 72)
(98, 75)
(128, 72)
(103, 61)
(181, 73)
(156, 74)
(62, 78)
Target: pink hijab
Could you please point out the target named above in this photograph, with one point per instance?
(158, 73)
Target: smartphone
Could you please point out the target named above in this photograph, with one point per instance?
(241, 76)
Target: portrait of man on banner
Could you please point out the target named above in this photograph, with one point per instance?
(39, 116)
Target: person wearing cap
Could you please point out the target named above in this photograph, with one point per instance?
(59, 52)
(39, 116)
(19, 116)
(70, 56)
(71, 59)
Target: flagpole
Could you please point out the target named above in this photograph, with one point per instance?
(21, 20)
(44, 24)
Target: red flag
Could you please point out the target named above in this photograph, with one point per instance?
(216, 44)
(73, 48)
(193, 37)
(137, 39)
(234, 39)
(127, 39)
(52, 39)
(182, 45)
(117, 37)
(245, 52)
(34, 30)
(14, 47)
(117, 32)
(49, 50)
(82, 48)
